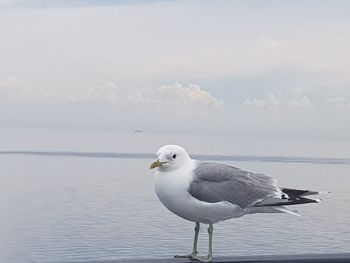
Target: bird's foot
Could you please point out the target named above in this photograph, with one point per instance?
(201, 258)
(185, 256)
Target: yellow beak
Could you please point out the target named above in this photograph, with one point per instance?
(156, 164)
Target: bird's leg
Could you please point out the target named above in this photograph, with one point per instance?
(210, 232)
(208, 258)
(195, 242)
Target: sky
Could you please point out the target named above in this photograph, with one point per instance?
(252, 68)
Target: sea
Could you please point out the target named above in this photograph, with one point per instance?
(72, 196)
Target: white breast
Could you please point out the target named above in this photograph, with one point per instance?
(172, 190)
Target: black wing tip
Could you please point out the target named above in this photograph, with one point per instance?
(294, 197)
(294, 193)
(297, 201)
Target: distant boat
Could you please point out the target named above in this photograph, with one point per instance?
(138, 131)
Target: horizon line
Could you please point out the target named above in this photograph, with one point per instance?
(202, 157)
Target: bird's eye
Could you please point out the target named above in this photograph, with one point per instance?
(174, 156)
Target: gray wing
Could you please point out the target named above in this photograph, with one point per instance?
(214, 182)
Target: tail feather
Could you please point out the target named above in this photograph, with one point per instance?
(290, 197)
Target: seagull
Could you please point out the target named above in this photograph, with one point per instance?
(207, 192)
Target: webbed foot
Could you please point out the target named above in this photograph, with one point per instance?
(201, 258)
(186, 256)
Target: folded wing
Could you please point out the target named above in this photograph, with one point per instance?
(214, 182)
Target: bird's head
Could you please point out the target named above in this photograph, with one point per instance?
(170, 158)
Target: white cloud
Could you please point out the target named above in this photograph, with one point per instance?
(173, 96)
(276, 101)
(169, 96)
(17, 89)
(339, 103)
(271, 100)
(24, 91)
(188, 96)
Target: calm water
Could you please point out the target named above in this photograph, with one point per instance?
(63, 208)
